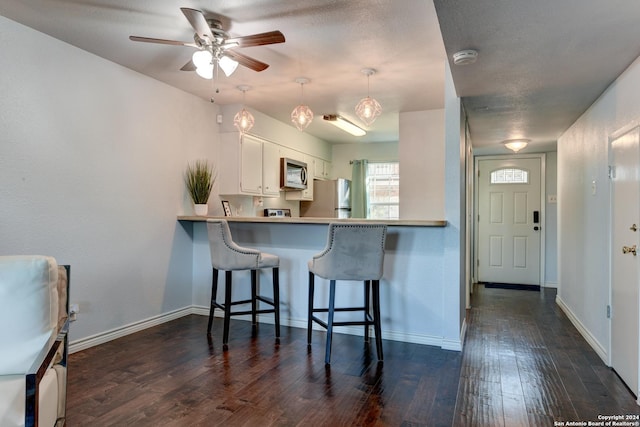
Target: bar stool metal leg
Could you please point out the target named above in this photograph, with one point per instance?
(276, 299)
(367, 284)
(214, 291)
(227, 308)
(332, 299)
(254, 302)
(310, 311)
(376, 319)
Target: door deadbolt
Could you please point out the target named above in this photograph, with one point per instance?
(630, 249)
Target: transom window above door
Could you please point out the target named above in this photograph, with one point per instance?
(509, 176)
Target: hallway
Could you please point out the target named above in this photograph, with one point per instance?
(525, 364)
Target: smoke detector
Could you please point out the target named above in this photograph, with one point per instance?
(465, 57)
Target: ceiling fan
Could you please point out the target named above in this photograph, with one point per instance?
(215, 46)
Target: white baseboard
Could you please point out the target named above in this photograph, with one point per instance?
(463, 333)
(550, 284)
(101, 338)
(593, 342)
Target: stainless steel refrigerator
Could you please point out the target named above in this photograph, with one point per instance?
(331, 199)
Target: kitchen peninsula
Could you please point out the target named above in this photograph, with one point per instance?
(413, 302)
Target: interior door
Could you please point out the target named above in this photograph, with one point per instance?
(625, 220)
(509, 220)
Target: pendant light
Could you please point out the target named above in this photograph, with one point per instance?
(243, 120)
(302, 116)
(368, 109)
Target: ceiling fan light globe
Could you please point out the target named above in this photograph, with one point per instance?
(243, 121)
(302, 116)
(228, 65)
(368, 110)
(205, 72)
(202, 58)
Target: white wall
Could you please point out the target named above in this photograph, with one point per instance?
(422, 164)
(91, 162)
(453, 282)
(273, 130)
(583, 217)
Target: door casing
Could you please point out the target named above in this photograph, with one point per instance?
(630, 238)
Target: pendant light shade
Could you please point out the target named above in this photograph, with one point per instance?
(368, 109)
(243, 120)
(302, 116)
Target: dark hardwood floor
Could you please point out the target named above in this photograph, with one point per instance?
(523, 365)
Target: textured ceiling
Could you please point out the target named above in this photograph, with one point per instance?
(541, 63)
(327, 41)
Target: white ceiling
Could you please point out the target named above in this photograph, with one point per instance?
(327, 41)
(541, 63)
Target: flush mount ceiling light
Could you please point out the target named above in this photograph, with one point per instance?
(302, 116)
(243, 120)
(344, 124)
(368, 109)
(465, 57)
(516, 145)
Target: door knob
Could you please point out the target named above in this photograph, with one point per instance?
(629, 249)
(633, 228)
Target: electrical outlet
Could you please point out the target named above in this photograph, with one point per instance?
(552, 199)
(74, 309)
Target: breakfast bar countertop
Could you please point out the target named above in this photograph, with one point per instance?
(310, 220)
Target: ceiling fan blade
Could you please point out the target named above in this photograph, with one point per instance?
(271, 37)
(161, 41)
(246, 61)
(198, 22)
(189, 66)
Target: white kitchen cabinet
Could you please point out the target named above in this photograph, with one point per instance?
(270, 169)
(245, 169)
(321, 168)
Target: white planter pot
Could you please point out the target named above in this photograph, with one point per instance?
(201, 210)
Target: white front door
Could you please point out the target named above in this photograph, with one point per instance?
(509, 220)
(625, 220)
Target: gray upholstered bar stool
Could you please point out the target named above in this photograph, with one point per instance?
(354, 252)
(228, 256)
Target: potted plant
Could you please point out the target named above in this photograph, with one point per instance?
(199, 179)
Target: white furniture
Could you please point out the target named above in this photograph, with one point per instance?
(228, 256)
(354, 252)
(33, 354)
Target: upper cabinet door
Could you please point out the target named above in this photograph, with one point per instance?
(251, 165)
(320, 168)
(270, 169)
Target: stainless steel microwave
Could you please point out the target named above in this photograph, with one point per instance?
(293, 174)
